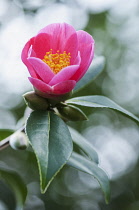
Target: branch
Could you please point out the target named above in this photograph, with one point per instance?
(4, 143)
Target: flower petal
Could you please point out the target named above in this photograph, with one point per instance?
(60, 33)
(42, 44)
(58, 89)
(85, 63)
(77, 59)
(64, 75)
(64, 87)
(42, 69)
(31, 52)
(84, 38)
(86, 48)
(24, 56)
(40, 85)
(71, 46)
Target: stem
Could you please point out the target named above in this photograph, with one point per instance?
(5, 142)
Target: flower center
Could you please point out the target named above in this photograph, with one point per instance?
(57, 61)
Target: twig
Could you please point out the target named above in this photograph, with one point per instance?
(4, 143)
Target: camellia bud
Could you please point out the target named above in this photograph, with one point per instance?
(71, 113)
(35, 102)
(19, 141)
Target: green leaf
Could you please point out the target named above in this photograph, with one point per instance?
(91, 74)
(100, 101)
(16, 184)
(4, 133)
(84, 145)
(80, 163)
(51, 142)
(22, 163)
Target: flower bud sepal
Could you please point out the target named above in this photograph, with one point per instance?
(35, 101)
(70, 113)
(54, 99)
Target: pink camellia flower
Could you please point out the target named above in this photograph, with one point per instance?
(57, 57)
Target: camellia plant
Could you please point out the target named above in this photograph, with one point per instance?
(58, 60)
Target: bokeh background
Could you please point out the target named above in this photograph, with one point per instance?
(114, 24)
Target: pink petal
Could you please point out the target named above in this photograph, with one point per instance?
(42, 69)
(42, 44)
(64, 75)
(24, 56)
(50, 29)
(77, 59)
(86, 58)
(54, 30)
(91, 56)
(40, 85)
(64, 87)
(86, 48)
(71, 46)
(84, 38)
(60, 33)
(31, 52)
(58, 89)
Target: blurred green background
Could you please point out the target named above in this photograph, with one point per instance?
(114, 24)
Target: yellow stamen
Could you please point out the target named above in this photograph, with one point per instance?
(57, 61)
